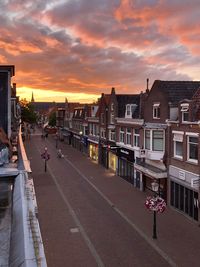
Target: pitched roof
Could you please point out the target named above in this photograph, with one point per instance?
(196, 107)
(123, 100)
(107, 99)
(177, 90)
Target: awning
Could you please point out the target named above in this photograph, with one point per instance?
(150, 171)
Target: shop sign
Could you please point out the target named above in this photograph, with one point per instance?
(128, 155)
(124, 151)
(195, 183)
(181, 175)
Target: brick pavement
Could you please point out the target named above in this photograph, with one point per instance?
(178, 236)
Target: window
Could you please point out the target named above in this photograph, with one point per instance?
(178, 145)
(178, 149)
(93, 129)
(147, 139)
(157, 142)
(102, 118)
(112, 135)
(136, 138)
(154, 140)
(112, 118)
(103, 133)
(97, 130)
(156, 111)
(128, 136)
(192, 153)
(121, 135)
(90, 129)
(112, 106)
(185, 112)
(128, 110)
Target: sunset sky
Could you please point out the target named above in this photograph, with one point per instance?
(81, 48)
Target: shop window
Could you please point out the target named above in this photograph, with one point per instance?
(156, 111)
(192, 149)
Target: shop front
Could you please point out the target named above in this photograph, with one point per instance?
(84, 142)
(93, 151)
(146, 174)
(76, 142)
(66, 136)
(184, 192)
(103, 154)
(112, 161)
(125, 167)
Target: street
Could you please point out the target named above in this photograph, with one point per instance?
(80, 222)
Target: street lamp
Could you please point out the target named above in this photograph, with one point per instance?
(56, 137)
(46, 156)
(155, 204)
(154, 187)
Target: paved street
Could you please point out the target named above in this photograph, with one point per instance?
(90, 217)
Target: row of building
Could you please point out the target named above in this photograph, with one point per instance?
(20, 237)
(149, 137)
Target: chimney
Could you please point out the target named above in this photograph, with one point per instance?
(14, 90)
(147, 90)
(113, 90)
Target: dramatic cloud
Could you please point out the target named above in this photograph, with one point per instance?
(89, 46)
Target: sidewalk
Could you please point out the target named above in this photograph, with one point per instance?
(178, 236)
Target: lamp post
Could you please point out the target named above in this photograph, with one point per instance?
(154, 187)
(155, 204)
(56, 137)
(46, 156)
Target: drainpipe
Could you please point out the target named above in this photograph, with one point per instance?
(168, 153)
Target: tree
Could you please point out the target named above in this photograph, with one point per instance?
(27, 112)
(52, 119)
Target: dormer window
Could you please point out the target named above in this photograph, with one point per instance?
(156, 111)
(130, 109)
(185, 112)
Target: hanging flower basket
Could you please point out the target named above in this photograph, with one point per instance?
(155, 204)
(45, 156)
